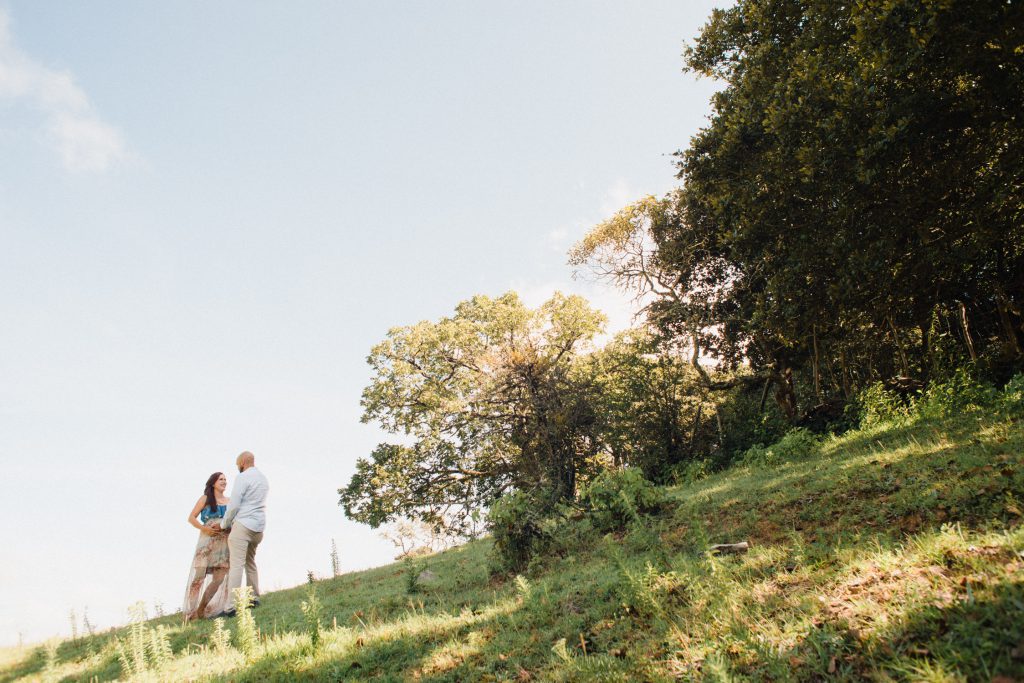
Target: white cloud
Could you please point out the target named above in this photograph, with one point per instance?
(82, 141)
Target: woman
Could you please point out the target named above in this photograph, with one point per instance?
(207, 593)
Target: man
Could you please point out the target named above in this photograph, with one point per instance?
(246, 517)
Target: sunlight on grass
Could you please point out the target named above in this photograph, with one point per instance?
(894, 553)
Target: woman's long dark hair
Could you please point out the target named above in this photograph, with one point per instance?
(211, 497)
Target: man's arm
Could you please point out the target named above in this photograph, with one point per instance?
(242, 485)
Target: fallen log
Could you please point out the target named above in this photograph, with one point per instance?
(729, 548)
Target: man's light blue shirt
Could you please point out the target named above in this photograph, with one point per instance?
(248, 501)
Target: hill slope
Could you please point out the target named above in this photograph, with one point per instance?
(893, 553)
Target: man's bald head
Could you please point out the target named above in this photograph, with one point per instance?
(245, 460)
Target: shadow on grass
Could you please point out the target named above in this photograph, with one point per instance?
(386, 657)
(980, 636)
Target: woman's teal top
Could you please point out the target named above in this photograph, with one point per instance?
(205, 515)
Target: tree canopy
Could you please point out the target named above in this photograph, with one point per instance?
(488, 399)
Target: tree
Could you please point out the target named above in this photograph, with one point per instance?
(654, 408)
(856, 200)
(489, 400)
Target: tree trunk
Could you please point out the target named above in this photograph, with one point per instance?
(845, 372)
(764, 395)
(899, 345)
(817, 364)
(785, 393)
(696, 425)
(1012, 340)
(966, 329)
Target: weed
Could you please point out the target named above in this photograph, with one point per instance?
(413, 573)
(220, 637)
(312, 611)
(246, 633)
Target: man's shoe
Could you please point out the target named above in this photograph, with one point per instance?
(256, 602)
(226, 613)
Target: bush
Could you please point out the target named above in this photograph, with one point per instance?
(876, 404)
(961, 393)
(519, 531)
(650, 593)
(1012, 398)
(759, 455)
(797, 444)
(617, 497)
(692, 471)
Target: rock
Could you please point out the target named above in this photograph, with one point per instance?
(426, 576)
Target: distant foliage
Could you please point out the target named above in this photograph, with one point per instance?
(614, 499)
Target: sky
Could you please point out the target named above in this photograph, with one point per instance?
(209, 212)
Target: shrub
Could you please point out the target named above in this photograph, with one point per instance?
(413, 571)
(876, 404)
(1012, 398)
(519, 530)
(797, 444)
(961, 393)
(759, 456)
(649, 593)
(692, 471)
(617, 497)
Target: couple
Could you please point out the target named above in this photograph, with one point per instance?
(230, 529)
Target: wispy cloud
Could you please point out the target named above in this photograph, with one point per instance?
(81, 139)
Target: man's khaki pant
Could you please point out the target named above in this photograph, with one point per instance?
(242, 544)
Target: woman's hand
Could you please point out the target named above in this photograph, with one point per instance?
(209, 530)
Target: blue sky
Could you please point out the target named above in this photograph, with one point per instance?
(210, 211)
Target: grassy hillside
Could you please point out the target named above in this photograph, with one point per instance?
(892, 554)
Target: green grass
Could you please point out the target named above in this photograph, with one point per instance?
(892, 554)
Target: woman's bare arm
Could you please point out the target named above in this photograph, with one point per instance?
(196, 509)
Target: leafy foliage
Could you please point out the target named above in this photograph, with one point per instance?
(519, 529)
(616, 498)
(491, 401)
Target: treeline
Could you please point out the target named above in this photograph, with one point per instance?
(852, 217)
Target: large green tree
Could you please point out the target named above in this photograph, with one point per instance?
(487, 400)
(856, 201)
